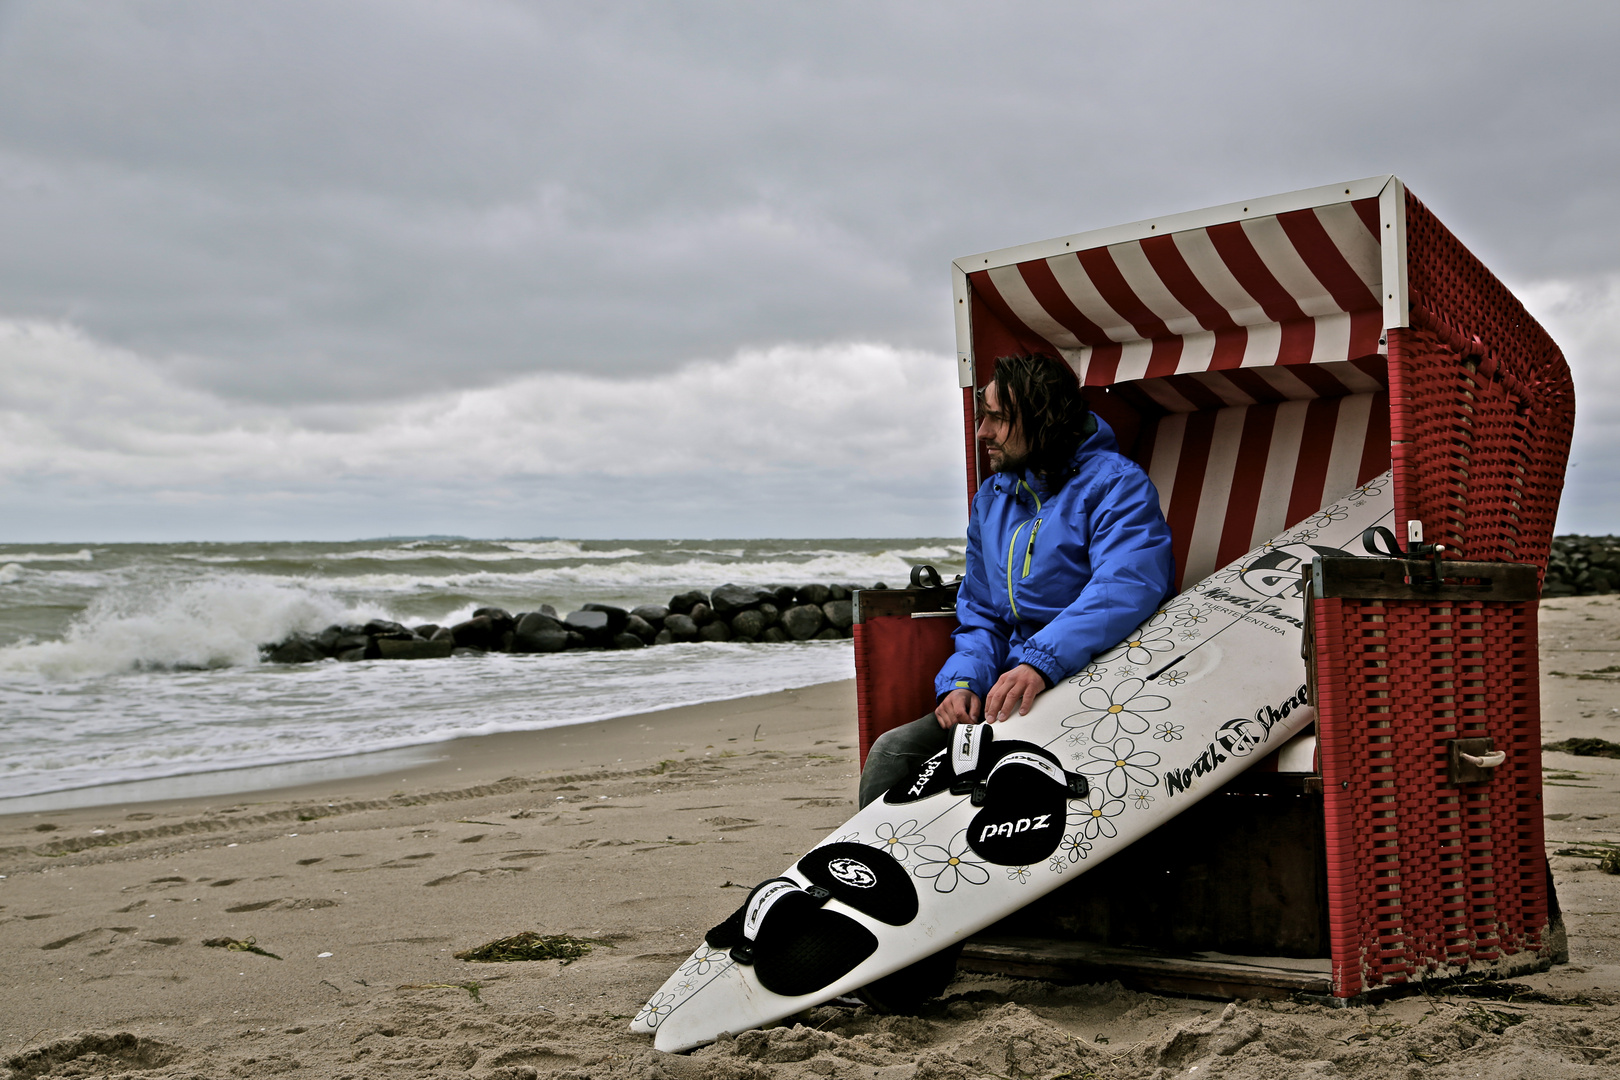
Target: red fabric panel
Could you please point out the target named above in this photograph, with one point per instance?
(1230, 345)
(968, 432)
(1165, 258)
(1010, 337)
(1366, 330)
(1375, 451)
(1165, 356)
(1104, 364)
(1190, 467)
(1111, 285)
(1243, 504)
(1367, 211)
(1310, 477)
(1322, 256)
(896, 659)
(1233, 245)
(1298, 342)
(1043, 284)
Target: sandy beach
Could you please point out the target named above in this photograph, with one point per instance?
(640, 833)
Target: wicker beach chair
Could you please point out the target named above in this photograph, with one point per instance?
(1261, 360)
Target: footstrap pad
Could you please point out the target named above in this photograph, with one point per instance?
(868, 879)
(1024, 806)
(793, 943)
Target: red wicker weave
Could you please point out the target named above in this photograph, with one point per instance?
(1426, 878)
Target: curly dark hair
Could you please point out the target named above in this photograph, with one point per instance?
(1044, 395)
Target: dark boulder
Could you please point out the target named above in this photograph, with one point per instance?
(627, 640)
(703, 614)
(335, 639)
(478, 632)
(653, 614)
(746, 639)
(379, 627)
(537, 632)
(686, 601)
(586, 621)
(803, 622)
(772, 613)
(425, 631)
(784, 594)
(500, 618)
(395, 649)
(840, 613)
(837, 592)
(664, 638)
(774, 635)
(444, 633)
(750, 623)
(727, 600)
(351, 655)
(640, 627)
(617, 616)
(715, 631)
(536, 621)
(681, 628)
(829, 634)
(593, 625)
(547, 609)
(577, 640)
(298, 649)
(812, 594)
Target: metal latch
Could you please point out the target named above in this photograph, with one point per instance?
(1471, 761)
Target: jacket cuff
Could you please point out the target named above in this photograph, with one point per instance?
(1042, 661)
(946, 684)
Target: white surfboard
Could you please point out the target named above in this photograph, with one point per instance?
(1207, 686)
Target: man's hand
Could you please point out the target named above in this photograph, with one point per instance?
(957, 707)
(1016, 689)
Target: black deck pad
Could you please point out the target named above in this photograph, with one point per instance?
(1025, 802)
(795, 945)
(955, 768)
(932, 777)
(868, 879)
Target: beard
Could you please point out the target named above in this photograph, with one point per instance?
(1009, 463)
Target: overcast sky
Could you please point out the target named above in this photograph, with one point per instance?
(334, 269)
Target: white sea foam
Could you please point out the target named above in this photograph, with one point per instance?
(10, 572)
(214, 623)
(82, 555)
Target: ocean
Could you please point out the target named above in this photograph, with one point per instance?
(132, 671)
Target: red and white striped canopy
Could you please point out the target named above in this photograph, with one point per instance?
(1248, 341)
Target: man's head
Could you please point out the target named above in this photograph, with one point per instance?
(1031, 415)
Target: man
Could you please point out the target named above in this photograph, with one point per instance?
(1067, 553)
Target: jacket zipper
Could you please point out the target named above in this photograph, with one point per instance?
(1029, 549)
(1012, 548)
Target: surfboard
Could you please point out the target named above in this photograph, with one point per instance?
(1210, 684)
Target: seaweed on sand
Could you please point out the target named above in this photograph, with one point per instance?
(244, 945)
(531, 946)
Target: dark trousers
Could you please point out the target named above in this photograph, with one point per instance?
(897, 753)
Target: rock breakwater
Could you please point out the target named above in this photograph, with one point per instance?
(1583, 566)
(779, 613)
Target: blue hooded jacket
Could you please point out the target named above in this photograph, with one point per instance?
(1054, 579)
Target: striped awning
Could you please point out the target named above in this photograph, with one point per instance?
(1280, 290)
(1241, 349)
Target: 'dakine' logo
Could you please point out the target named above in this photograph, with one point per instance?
(852, 872)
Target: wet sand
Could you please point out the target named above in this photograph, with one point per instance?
(641, 833)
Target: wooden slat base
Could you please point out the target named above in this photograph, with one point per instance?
(1196, 974)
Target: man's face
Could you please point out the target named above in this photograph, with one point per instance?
(1003, 440)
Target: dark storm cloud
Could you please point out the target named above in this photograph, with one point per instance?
(303, 201)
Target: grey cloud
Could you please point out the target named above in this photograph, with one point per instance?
(298, 201)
